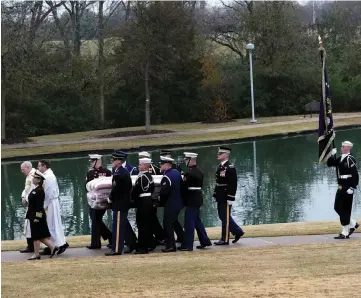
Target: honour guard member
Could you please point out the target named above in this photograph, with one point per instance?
(37, 217)
(224, 194)
(167, 153)
(52, 205)
(348, 180)
(170, 198)
(120, 200)
(142, 196)
(152, 169)
(193, 200)
(98, 227)
(28, 170)
(177, 226)
(132, 170)
(157, 229)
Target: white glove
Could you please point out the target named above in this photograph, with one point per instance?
(109, 201)
(24, 202)
(230, 203)
(333, 151)
(350, 191)
(213, 198)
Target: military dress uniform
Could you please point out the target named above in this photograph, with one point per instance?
(224, 193)
(120, 201)
(142, 196)
(348, 180)
(170, 198)
(98, 227)
(193, 200)
(177, 226)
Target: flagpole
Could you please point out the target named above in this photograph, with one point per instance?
(322, 50)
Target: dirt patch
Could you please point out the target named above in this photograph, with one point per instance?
(133, 133)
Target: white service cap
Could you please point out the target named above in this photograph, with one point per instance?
(347, 144)
(38, 174)
(144, 154)
(95, 156)
(164, 159)
(190, 155)
(145, 161)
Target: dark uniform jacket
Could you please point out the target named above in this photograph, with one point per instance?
(143, 188)
(192, 187)
(170, 192)
(96, 173)
(226, 183)
(122, 186)
(36, 204)
(348, 175)
(132, 170)
(178, 168)
(154, 170)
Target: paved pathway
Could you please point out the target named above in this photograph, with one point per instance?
(172, 134)
(15, 256)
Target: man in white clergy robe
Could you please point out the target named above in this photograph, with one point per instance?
(52, 206)
(27, 169)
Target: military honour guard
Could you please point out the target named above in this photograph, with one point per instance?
(98, 227)
(225, 194)
(193, 200)
(348, 180)
(120, 202)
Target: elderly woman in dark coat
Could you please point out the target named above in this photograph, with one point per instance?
(37, 217)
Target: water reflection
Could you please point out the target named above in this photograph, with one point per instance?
(279, 180)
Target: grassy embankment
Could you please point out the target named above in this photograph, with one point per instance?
(269, 230)
(198, 136)
(316, 270)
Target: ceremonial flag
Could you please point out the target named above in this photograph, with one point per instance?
(326, 134)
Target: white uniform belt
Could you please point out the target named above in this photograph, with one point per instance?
(194, 188)
(217, 184)
(146, 194)
(345, 176)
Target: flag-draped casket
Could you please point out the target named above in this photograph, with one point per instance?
(99, 190)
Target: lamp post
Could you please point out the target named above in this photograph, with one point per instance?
(250, 47)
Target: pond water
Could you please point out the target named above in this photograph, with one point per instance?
(279, 181)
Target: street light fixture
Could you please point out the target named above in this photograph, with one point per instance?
(250, 47)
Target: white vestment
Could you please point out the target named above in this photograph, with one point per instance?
(52, 205)
(29, 186)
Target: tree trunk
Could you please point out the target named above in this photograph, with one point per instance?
(147, 98)
(101, 61)
(77, 41)
(3, 95)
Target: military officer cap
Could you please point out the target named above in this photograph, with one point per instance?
(39, 175)
(94, 157)
(119, 155)
(190, 155)
(145, 160)
(144, 154)
(165, 152)
(347, 144)
(164, 160)
(223, 149)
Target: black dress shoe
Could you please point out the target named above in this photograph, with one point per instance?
(46, 252)
(352, 230)
(112, 253)
(203, 246)
(184, 249)
(152, 248)
(92, 247)
(55, 249)
(221, 242)
(26, 250)
(237, 237)
(341, 236)
(171, 249)
(161, 242)
(63, 248)
(110, 245)
(34, 258)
